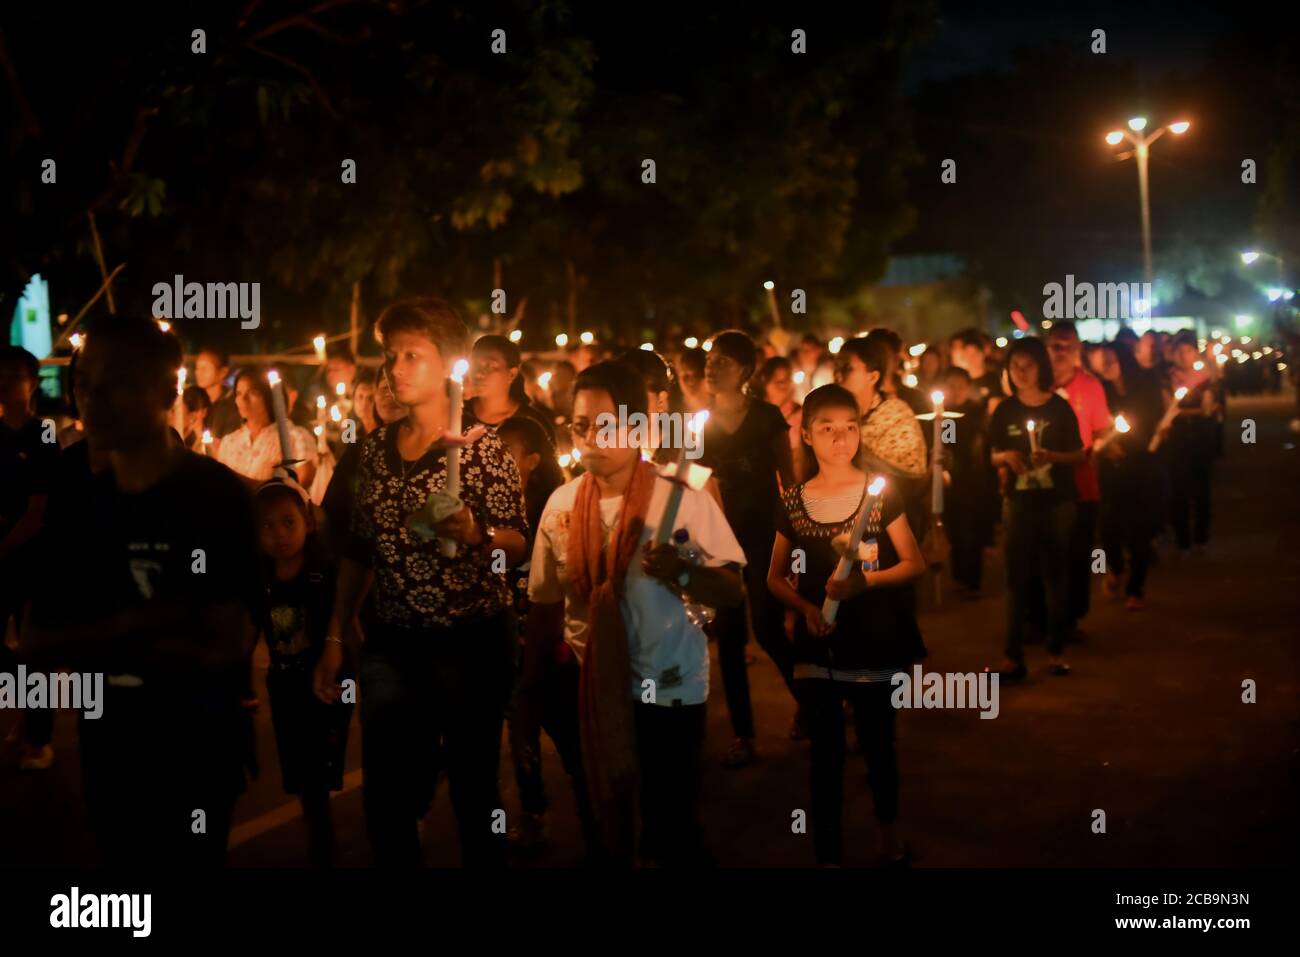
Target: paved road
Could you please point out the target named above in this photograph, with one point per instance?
(1150, 728)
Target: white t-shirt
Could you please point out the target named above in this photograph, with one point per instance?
(663, 645)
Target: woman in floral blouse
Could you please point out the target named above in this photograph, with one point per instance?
(436, 669)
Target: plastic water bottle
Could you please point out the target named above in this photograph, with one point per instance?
(691, 552)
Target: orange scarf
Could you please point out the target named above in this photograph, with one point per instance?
(605, 714)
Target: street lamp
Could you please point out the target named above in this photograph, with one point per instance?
(1141, 147)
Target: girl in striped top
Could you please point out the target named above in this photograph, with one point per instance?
(874, 635)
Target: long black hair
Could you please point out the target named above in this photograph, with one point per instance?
(547, 477)
(830, 396)
(1034, 348)
(513, 358)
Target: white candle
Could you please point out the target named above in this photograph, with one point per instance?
(207, 442)
(669, 518)
(831, 607)
(178, 410)
(1121, 428)
(281, 416)
(456, 399)
(936, 487)
(1170, 414)
(1031, 428)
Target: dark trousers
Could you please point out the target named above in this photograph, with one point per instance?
(556, 700)
(769, 627)
(1082, 539)
(873, 716)
(670, 748)
(1128, 518)
(1191, 459)
(434, 701)
(968, 533)
(38, 723)
(149, 767)
(1037, 549)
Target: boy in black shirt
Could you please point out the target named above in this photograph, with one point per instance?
(161, 554)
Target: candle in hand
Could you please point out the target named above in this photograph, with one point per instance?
(1170, 414)
(281, 416)
(850, 557)
(936, 490)
(679, 479)
(1121, 428)
(178, 410)
(319, 344)
(207, 442)
(1032, 429)
(456, 403)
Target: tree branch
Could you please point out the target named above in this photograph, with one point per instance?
(295, 65)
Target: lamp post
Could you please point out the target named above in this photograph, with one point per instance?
(1141, 149)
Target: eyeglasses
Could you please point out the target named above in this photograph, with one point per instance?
(581, 429)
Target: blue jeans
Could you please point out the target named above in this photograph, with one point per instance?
(434, 700)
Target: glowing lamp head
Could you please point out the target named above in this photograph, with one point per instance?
(1114, 137)
(1121, 425)
(877, 485)
(1179, 128)
(459, 370)
(1137, 124)
(273, 377)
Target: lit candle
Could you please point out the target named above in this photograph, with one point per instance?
(319, 344)
(1032, 429)
(936, 465)
(321, 445)
(679, 478)
(281, 416)
(207, 442)
(178, 410)
(1121, 428)
(830, 607)
(1170, 414)
(456, 400)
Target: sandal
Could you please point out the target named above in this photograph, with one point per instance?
(740, 754)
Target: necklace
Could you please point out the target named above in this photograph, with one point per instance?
(407, 466)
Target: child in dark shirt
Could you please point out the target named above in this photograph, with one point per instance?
(311, 736)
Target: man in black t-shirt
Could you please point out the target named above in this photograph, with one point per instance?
(160, 553)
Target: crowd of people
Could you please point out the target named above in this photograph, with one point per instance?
(195, 525)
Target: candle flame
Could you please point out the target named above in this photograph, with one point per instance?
(544, 380)
(564, 460)
(273, 377)
(936, 397)
(577, 455)
(1121, 424)
(319, 430)
(910, 381)
(335, 414)
(587, 338)
(76, 340)
(340, 388)
(691, 342)
(459, 369)
(701, 417)
(561, 340)
(207, 437)
(799, 376)
(1181, 393)
(516, 335)
(320, 401)
(164, 326)
(319, 343)
(180, 381)
(1198, 365)
(1030, 425)
(877, 486)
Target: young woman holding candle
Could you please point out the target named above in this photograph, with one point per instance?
(253, 449)
(1190, 447)
(599, 585)
(1035, 435)
(874, 634)
(1130, 482)
(435, 673)
(745, 442)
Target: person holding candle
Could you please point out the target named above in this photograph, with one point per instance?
(745, 442)
(254, 449)
(1035, 436)
(874, 634)
(1130, 489)
(435, 672)
(211, 366)
(1190, 446)
(968, 516)
(197, 409)
(690, 376)
(597, 585)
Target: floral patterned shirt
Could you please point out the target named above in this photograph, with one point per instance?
(415, 586)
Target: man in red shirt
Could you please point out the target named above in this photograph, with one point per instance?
(1084, 393)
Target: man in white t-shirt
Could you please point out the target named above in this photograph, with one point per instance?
(669, 657)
